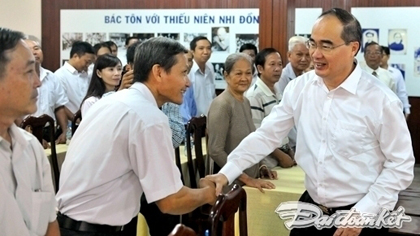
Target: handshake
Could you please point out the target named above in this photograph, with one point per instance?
(213, 185)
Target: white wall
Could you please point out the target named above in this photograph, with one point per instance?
(21, 15)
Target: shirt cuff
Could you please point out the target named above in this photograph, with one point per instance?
(231, 171)
(407, 110)
(367, 206)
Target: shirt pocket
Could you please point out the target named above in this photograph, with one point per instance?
(42, 204)
(349, 139)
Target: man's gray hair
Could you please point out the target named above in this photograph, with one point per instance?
(295, 40)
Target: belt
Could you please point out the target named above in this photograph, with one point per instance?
(332, 210)
(82, 226)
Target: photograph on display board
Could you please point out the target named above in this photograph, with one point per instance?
(94, 38)
(397, 41)
(242, 39)
(369, 35)
(144, 36)
(417, 62)
(119, 39)
(218, 70)
(169, 35)
(400, 67)
(69, 38)
(220, 39)
(188, 37)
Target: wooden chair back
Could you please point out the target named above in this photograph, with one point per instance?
(196, 128)
(36, 126)
(222, 215)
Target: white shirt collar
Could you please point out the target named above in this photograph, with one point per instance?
(264, 87)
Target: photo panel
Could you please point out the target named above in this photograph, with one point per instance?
(397, 41)
(220, 39)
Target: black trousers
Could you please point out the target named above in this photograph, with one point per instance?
(129, 230)
(312, 230)
(160, 224)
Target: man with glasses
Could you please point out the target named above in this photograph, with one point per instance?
(373, 58)
(352, 142)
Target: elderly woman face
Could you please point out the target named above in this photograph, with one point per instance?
(239, 77)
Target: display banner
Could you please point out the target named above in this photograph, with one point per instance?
(227, 29)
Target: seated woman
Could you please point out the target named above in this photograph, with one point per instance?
(230, 120)
(106, 76)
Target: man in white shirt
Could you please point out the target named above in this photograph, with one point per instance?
(399, 80)
(202, 74)
(51, 95)
(373, 57)
(352, 143)
(27, 205)
(299, 59)
(74, 76)
(100, 188)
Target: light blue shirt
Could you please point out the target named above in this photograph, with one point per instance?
(188, 108)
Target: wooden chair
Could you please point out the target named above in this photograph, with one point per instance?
(182, 230)
(196, 128)
(76, 121)
(222, 215)
(178, 163)
(36, 126)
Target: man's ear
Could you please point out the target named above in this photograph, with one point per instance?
(157, 72)
(260, 68)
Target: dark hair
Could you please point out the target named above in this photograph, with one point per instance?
(130, 52)
(193, 42)
(97, 86)
(127, 40)
(80, 48)
(98, 46)
(111, 43)
(386, 50)
(373, 43)
(159, 50)
(8, 41)
(260, 58)
(248, 46)
(352, 31)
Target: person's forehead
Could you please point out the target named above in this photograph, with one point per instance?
(373, 47)
(273, 56)
(203, 42)
(21, 55)
(299, 47)
(327, 27)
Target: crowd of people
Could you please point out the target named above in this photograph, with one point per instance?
(342, 122)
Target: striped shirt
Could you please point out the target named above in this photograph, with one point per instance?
(262, 100)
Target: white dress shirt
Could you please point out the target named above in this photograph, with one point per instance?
(88, 103)
(384, 76)
(27, 203)
(401, 88)
(51, 94)
(204, 88)
(287, 75)
(75, 85)
(121, 149)
(352, 142)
